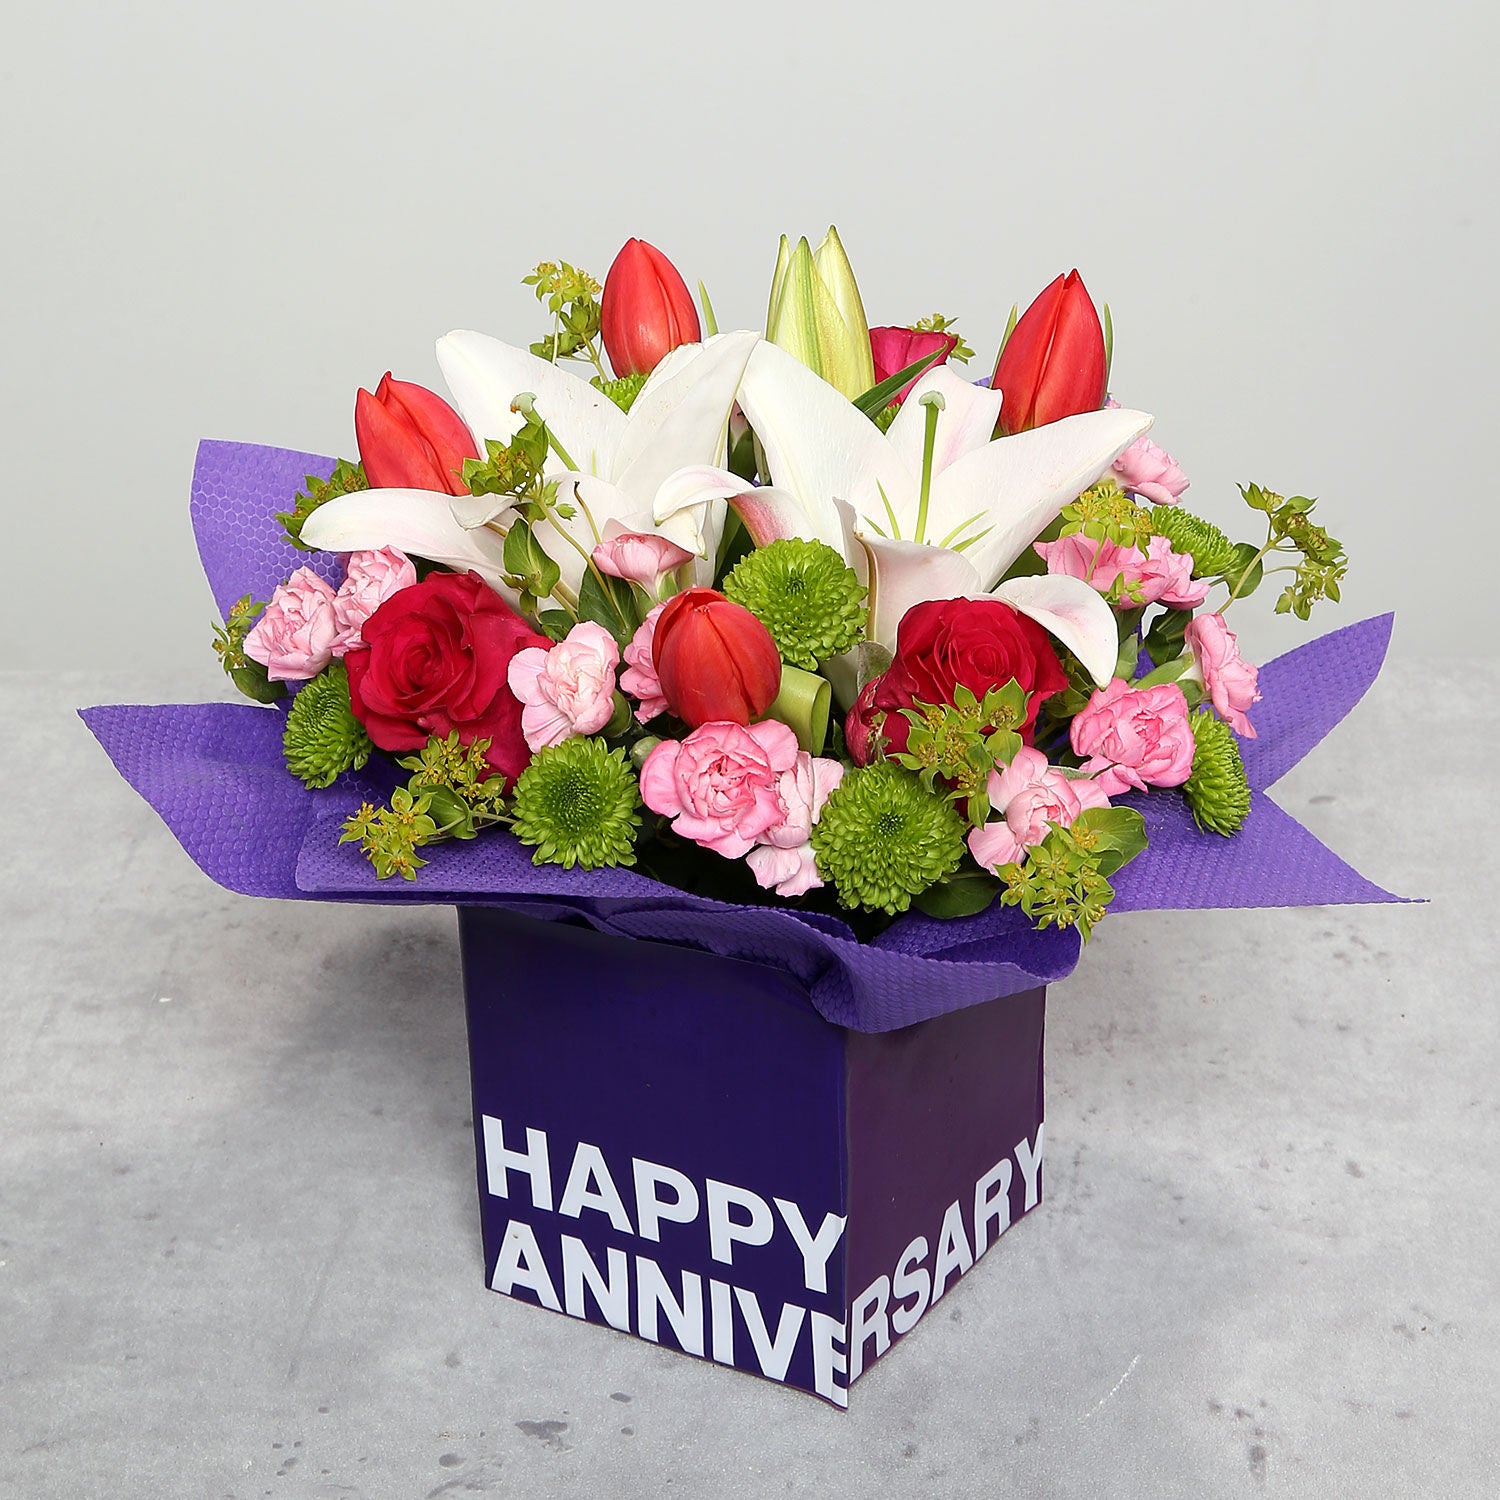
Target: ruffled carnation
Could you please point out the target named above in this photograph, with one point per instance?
(639, 678)
(567, 689)
(639, 557)
(784, 856)
(1156, 576)
(295, 635)
(720, 786)
(1030, 795)
(1229, 680)
(1150, 472)
(1135, 737)
(370, 578)
(1163, 576)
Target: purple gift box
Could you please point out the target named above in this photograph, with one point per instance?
(736, 1131)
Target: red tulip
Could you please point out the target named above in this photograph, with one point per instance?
(896, 348)
(1052, 366)
(411, 439)
(715, 661)
(646, 310)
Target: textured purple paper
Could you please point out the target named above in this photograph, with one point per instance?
(214, 773)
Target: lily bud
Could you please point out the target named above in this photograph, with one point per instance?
(715, 661)
(646, 310)
(1053, 364)
(816, 314)
(411, 439)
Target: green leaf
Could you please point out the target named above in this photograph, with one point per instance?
(1246, 571)
(1119, 834)
(554, 623)
(609, 602)
(1164, 641)
(527, 561)
(878, 397)
(960, 895)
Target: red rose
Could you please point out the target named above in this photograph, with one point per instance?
(981, 643)
(434, 660)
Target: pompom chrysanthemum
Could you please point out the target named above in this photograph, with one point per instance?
(578, 803)
(1217, 791)
(884, 838)
(623, 390)
(322, 737)
(805, 595)
(1212, 552)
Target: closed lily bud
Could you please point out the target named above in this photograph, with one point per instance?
(1053, 364)
(646, 310)
(816, 313)
(715, 661)
(411, 439)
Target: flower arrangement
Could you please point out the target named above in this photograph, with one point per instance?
(807, 618)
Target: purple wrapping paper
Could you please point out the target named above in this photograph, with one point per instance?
(214, 773)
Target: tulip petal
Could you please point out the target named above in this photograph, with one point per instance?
(419, 522)
(486, 376)
(681, 420)
(902, 574)
(1073, 611)
(818, 446)
(966, 422)
(1019, 484)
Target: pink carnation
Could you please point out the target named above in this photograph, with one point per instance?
(568, 689)
(1097, 562)
(370, 578)
(1230, 681)
(1031, 795)
(639, 678)
(294, 637)
(784, 856)
(1135, 737)
(1150, 472)
(638, 556)
(1163, 576)
(720, 785)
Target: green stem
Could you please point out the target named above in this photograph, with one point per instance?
(1250, 568)
(934, 403)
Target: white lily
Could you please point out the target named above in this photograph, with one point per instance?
(918, 528)
(663, 457)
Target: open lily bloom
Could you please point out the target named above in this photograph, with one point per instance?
(660, 458)
(836, 478)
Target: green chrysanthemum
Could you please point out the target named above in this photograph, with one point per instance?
(322, 737)
(805, 595)
(577, 804)
(884, 838)
(1212, 552)
(621, 391)
(1217, 791)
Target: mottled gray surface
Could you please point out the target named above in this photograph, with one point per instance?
(238, 1239)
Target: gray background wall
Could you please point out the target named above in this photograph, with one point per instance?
(222, 219)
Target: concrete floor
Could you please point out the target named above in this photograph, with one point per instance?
(238, 1240)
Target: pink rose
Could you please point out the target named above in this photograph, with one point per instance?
(1135, 737)
(1230, 681)
(1031, 795)
(1163, 576)
(1097, 562)
(637, 556)
(784, 856)
(1150, 472)
(720, 785)
(370, 578)
(567, 690)
(639, 678)
(294, 637)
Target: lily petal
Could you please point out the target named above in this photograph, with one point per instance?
(905, 573)
(966, 422)
(419, 522)
(485, 376)
(816, 442)
(1020, 483)
(681, 420)
(1073, 611)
